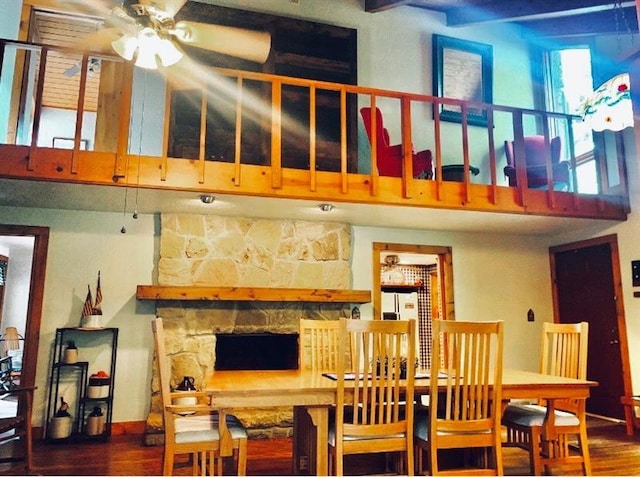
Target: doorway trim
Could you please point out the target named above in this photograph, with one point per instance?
(36, 296)
(612, 241)
(445, 269)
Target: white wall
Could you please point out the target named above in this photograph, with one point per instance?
(80, 244)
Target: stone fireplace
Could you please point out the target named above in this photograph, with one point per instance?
(258, 351)
(198, 250)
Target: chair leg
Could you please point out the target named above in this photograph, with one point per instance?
(433, 459)
(167, 462)
(497, 454)
(584, 449)
(409, 461)
(535, 450)
(28, 448)
(242, 457)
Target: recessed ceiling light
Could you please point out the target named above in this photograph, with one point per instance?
(325, 207)
(207, 198)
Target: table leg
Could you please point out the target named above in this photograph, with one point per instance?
(226, 441)
(549, 434)
(310, 440)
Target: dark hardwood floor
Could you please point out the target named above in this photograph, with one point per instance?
(612, 453)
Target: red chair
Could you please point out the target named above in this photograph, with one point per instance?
(390, 157)
(534, 155)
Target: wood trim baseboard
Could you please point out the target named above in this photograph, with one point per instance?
(117, 429)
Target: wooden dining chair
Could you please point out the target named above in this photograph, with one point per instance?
(465, 403)
(372, 412)
(195, 429)
(15, 424)
(319, 343)
(563, 353)
(13, 343)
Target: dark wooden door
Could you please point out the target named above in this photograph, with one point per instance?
(585, 291)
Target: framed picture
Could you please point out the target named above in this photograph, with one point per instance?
(462, 70)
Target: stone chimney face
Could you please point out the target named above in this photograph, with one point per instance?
(208, 250)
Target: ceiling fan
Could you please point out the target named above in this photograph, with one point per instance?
(145, 31)
(93, 68)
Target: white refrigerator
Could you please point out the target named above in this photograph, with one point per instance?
(399, 305)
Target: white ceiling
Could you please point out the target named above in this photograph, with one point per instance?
(53, 195)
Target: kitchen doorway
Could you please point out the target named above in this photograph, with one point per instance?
(587, 287)
(416, 281)
(40, 236)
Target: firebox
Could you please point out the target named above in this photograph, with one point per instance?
(256, 351)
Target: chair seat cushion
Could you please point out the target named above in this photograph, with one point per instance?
(205, 428)
(531, 415)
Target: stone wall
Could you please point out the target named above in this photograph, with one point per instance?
(206, 250)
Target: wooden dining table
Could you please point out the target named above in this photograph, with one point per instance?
(311, 394)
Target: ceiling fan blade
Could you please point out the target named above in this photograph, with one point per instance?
(99, 8)
(74, 70)
(250, 45)
(170, 7)
(101, 40)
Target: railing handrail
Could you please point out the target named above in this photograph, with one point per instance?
(277, 82)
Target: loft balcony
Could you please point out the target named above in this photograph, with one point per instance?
(85, 118)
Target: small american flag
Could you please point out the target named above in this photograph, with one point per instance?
(97, 306)
(87, 309)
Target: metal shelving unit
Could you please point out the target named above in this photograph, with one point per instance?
(73, 380)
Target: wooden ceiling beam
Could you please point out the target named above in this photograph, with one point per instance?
(499, 10)
(589, 24)
(373, 6)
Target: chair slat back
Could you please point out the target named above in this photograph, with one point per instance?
(470, 354)
(564, 353)
(318, 344)
(11, 338)
(164, 373)
(384, 372)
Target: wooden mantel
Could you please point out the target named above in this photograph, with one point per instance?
(316, 295)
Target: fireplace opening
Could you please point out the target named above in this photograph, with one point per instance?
(256, 351)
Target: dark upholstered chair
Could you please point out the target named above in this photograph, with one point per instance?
(390, 157)
(534, 158)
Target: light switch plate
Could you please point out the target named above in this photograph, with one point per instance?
(635, 273)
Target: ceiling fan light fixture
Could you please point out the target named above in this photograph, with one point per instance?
(168, 53)
(148, 49)
(125, 46)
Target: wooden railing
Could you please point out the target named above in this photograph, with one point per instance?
(270, 148)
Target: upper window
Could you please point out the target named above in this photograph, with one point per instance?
(568, 80)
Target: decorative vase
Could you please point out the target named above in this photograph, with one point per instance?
(95, 422)
(60, 427)
(70, 353)
(187, 384)
(91, 321)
